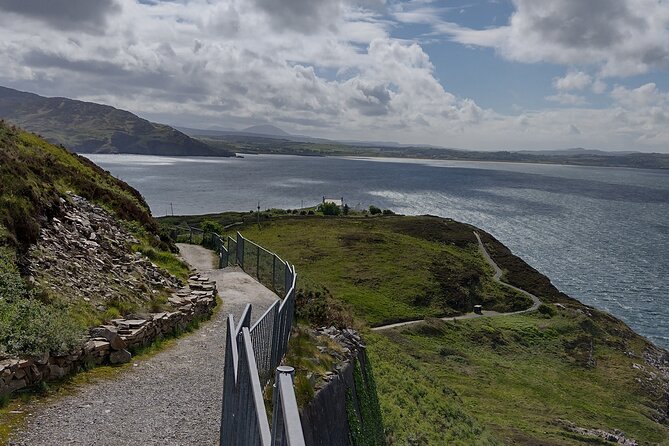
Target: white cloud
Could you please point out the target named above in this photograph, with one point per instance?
(573, 80)
(619, 37)
(232, 63)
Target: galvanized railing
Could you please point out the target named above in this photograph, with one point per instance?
(253, 354)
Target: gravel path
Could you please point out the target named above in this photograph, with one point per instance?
(486, 313)
(172, 398)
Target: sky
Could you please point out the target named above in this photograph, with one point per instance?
(487, 75)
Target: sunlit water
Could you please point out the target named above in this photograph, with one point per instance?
(600, 234)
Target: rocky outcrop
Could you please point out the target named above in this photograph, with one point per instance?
(113, 343)
(85, 255)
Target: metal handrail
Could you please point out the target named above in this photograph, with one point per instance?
(256, 352)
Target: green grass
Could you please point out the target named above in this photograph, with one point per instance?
(164, 259)
(518, 377)
(385, 275)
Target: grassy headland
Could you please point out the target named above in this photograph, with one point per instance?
(538, 378)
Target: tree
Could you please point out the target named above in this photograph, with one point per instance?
(374, 210)
(329, 209)
(346, 209)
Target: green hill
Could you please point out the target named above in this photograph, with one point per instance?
(87, 127)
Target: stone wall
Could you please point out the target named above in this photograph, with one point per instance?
(345, 411)
(113, 343)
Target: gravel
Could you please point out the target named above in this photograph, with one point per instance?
(173, 398)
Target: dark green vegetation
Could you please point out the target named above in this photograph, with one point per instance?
(364, 417)
(525, 379)
(281, 146)
(34, 178)
(93, 128)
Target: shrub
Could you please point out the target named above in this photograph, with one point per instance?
(374, 210)
(27, 325)
(211, 226)
(547, 310)
(346, 209)
(311, 213)
(388, 212)
(329, 209)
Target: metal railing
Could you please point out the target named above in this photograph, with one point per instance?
(253, 354)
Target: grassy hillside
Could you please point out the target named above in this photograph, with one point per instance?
(545, 378)
(87, 127)
(35, 178)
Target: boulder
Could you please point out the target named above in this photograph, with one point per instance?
(115, 341)
(120, 357)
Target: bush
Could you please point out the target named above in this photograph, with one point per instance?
(329, 209)
(311, 213)
(346, 209)
(374, 210)
(28, 326)
(211, 226)
(547, 310)
(388, 212)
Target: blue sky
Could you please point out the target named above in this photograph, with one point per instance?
(487, 74)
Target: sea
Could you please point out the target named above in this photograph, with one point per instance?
(600, 234)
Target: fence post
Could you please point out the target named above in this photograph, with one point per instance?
(277, 413)
(274, 272)
(240, 250)
(275, 337)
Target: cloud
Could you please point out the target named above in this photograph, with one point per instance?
(85, 15)
(573, 80)
(619, 37)
(306, 16)
(567, 99)
(234, 63)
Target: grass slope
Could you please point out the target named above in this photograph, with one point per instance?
(514, 380)
(93, 128)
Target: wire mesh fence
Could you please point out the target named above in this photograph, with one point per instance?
(253, 353)
(255, 367)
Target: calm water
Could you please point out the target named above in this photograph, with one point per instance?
(600, 234)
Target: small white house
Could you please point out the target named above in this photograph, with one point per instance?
(338, 201)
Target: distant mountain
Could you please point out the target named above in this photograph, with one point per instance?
(87, 127)
(267, 129)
